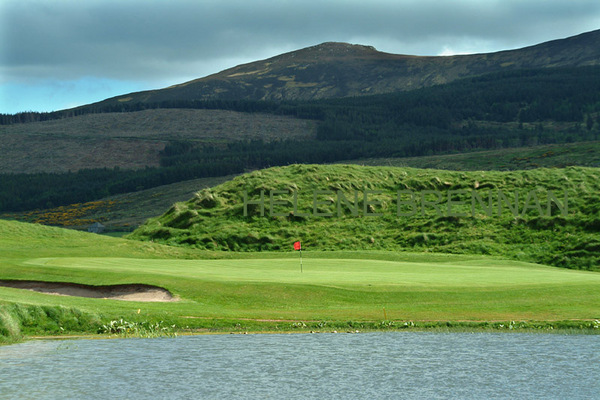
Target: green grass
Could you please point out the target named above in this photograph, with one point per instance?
(237, 292)
(214, 219)
(337, 289)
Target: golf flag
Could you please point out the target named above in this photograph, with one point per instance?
(298, 246)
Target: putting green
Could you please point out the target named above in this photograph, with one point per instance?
(342, 272)
(327, 288)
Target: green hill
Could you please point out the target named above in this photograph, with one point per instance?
(548, 216)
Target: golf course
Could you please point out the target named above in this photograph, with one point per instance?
(515, 250)
(215, 291)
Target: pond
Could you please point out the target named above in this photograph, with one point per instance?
(307, 366)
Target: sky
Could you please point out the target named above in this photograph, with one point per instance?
(58, 54)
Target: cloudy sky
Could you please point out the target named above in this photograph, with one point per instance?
(56, 54)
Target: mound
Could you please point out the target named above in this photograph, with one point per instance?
(548, 216)
(132, 292)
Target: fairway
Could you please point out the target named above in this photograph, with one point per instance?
(327, 289)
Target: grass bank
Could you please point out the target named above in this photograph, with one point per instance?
(546, 216)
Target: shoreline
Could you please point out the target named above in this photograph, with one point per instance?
(569, 327)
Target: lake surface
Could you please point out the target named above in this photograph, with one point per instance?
(307, 366)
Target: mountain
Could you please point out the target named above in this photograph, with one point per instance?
(496, 111)
(502, 100)
(340, 69)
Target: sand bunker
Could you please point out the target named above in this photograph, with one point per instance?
(132, 292)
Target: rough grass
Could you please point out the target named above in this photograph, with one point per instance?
(214, 219)
(18, 320)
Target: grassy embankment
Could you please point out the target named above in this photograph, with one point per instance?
(238, 292)
(505, 214)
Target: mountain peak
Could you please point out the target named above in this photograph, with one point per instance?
(341, 48)
(337, 69)
(326, 51)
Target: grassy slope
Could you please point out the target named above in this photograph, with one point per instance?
(584, 154)
(119, 213)
(214, 218)
(267, 291)
(132, 140)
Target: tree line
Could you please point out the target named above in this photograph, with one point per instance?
(559, 94)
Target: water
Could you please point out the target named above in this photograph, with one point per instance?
(307, 366)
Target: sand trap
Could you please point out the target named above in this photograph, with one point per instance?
(132, 292)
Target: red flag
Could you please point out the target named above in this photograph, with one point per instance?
(297, 246)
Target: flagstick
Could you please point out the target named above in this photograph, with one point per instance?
(300, 259)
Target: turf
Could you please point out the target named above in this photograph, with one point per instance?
(330, 289)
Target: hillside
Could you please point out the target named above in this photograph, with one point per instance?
(583, 154)
(518, 225)
(115, 147)
(119, 213)
(512, 109)
(133, 140)
(334, 69)
(125, 212)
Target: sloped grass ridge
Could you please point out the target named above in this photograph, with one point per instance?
(548, 216)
